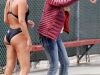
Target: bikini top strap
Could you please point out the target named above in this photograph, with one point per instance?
(10, 5)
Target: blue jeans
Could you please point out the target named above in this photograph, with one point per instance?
(55, 51)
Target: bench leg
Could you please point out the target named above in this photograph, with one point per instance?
(87, 49)
(87, 57)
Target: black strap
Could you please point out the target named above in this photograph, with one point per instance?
(10, 12)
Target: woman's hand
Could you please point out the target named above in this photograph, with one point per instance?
(30, 23)
(93, 1)
(29, 45)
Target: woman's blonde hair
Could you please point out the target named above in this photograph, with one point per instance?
(66, 9)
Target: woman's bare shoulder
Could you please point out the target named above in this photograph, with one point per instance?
(7, 3)
(22, 2)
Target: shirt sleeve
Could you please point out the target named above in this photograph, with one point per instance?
(61, 3)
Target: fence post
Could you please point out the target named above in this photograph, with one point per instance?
(77, 28)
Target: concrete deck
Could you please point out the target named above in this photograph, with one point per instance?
(84, 68)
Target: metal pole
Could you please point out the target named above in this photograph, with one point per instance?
(77, 28)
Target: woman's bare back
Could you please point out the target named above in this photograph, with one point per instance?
(12, 11)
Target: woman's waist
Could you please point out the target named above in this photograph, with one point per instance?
(14, 26)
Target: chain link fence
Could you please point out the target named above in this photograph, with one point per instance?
(89, 27)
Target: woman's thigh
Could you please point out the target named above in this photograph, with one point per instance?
(20, 43)
(11, 57)
(23, 57)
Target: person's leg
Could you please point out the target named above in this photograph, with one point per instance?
(11, 59)
(19, 42)
(16, 66)
(51, 51)
(24, 58)
(63, 58)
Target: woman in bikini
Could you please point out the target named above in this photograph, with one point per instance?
(17, 40)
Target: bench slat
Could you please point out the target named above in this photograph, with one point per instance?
(71, 44)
